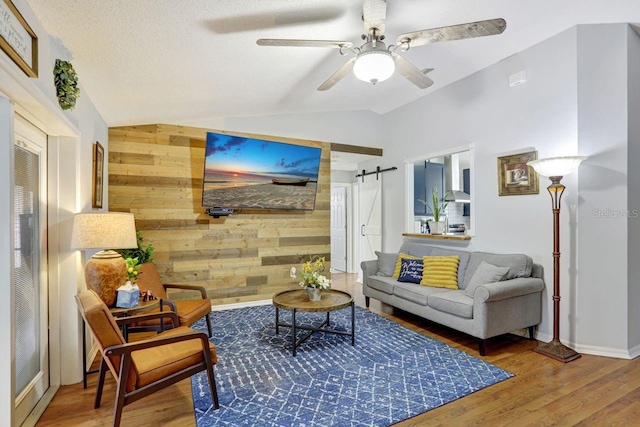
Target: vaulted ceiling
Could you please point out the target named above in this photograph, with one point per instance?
(144, 61)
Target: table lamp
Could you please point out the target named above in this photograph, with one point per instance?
(106, 270)
(555, 168)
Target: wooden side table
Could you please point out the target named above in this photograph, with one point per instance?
(116, 312)
(298, 300)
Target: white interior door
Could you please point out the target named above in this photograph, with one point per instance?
(370, 215)
(339, 228)
(30, 307)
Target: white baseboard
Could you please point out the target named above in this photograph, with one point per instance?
(634, 352)
(240, 305)
(603, 351)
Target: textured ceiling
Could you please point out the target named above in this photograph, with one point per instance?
(144, 61)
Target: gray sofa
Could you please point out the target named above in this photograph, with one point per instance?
(495, 308)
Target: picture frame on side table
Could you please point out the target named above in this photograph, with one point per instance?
(17, 39)
(515, 177)
(98, 175)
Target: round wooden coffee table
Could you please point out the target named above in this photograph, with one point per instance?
(298, 300)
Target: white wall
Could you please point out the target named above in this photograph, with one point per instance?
(601, 275)
(633, 159)
(349, 127)
(70, 142)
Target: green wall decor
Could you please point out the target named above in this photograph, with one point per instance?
(66, 81)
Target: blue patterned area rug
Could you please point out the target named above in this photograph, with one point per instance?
(392, 373)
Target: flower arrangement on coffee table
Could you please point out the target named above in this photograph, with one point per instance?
(311, 277)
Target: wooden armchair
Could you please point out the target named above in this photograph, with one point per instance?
(188, 311)
(144, 367)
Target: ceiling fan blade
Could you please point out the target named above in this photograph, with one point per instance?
(374, 15)
(303, 43)
(338, 75)
(411, 72)
(469, 30)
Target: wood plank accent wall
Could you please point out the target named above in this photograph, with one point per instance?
(156, 172)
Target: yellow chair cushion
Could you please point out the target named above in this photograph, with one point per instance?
(396, 271)
(440, 271)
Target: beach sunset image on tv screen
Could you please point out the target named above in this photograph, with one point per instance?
(253, 173)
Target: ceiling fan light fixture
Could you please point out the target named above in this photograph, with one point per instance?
(374, 66)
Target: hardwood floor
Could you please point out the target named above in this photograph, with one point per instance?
(591, 391)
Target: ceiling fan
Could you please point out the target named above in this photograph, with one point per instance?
(374, 61)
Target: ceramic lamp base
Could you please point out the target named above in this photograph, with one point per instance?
(104, 273)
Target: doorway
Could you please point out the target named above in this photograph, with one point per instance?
(339, 228)
(30, 305)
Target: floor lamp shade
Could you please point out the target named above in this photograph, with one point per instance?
(105, 271)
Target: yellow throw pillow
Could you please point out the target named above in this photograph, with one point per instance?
(440, 271)
(396, 271)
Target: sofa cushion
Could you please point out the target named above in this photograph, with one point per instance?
(519, 265)
(485, 273)
(386, 263)
(462, 265)
(401, 256)
(382, 284)
(453, 302)
(410, 271)
(440, 271)
(415, 293)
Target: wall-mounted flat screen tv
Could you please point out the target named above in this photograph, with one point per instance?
(257, 174)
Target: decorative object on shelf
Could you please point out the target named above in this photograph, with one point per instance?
(437, 207)
(142, 253)
(147, 295)
(106, 270)
(555, 168)
(311, 278)
(17, 39)
(66, 81)
(516, 176)
(98, 176)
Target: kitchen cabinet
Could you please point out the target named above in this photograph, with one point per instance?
(425, 175)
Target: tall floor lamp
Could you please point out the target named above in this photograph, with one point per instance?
(555, 168)
(106, 270)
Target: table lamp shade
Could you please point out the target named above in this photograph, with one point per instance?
(106, 270)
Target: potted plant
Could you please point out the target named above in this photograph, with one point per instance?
(437, 206)
(142, 253)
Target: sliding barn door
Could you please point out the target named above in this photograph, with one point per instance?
(370, 215)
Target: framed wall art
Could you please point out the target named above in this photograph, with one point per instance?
(515, 177)
(98, 175)
(17, 39)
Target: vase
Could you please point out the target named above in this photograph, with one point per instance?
(314, 294)
(436, 227)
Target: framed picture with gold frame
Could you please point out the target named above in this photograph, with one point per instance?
(98, 175)
(515, 177)
(17, 39)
